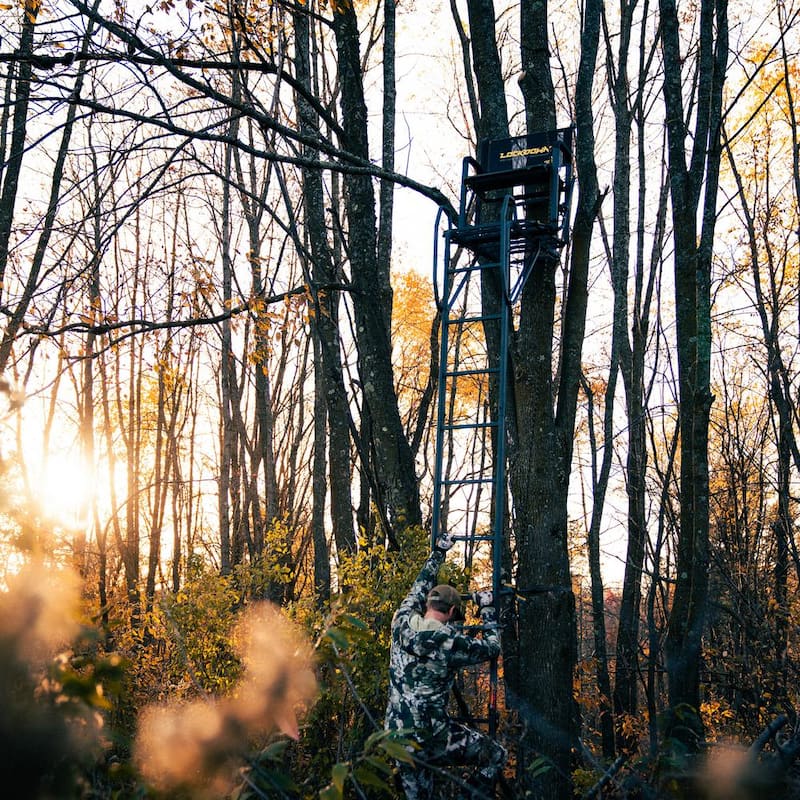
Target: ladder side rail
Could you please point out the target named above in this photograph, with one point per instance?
(507, 221)
(556, 165)
(479, 442)
(468, 491)
(449, 373)
(440, 215)
(451, 384)
(469, 163)
(569, 184)
(528, 262)
(444, 306)
(566, 138)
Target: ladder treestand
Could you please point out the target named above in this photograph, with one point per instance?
(513, 213)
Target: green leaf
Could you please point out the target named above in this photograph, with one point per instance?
(368, 778)
(275, 750)
(379, 764)
(338, 638)
(355, 621)
(539, 766)
(375, 738)
(339, 773)
(397, 751)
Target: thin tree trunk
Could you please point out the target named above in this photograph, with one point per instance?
(13, 161)
(7, 199)
(322, 562)
(599, 488)
(86, 398)
(129, 410)
(325, 316)
(227, 374)
(768, 305)
(372, 296)
(627, 109)
(693, 332)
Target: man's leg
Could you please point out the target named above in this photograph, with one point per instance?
(417, 782)
(468, 746)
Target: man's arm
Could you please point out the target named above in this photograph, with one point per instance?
(465, 650)
(425, 581)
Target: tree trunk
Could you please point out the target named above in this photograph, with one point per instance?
(11, 180)
(599, 488)
(540, 476)
(631, 359)
(541, 423)
(322, 558)
(372, 296)
(693, 334)
(19, 126)
(227, 380)
(130, 413)
(325, 316)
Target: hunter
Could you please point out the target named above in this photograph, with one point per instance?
(428, 647)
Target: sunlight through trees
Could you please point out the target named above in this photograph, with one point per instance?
(219, 354)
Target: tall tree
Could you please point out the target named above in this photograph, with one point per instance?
(628, 102)
(394, 472)
(769, 224)
(31, 279)
(541, 428)
(19, 84)
(542, 471)
(693, 191)
(323, 276)
(600, 480)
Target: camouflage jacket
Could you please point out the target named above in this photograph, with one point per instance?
(424, 658)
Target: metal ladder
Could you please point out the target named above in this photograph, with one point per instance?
(511, 215)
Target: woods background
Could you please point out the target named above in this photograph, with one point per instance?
(219, 350)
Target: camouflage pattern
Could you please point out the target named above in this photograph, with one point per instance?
(424, 658)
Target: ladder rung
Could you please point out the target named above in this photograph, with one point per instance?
(465, 320)
(465, 481)
(461, 373)
(468, 426)
(474, 268)
(476, 538)
(471, 720)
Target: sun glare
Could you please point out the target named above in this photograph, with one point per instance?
(63, 489)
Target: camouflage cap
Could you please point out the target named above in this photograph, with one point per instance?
(444, 597)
